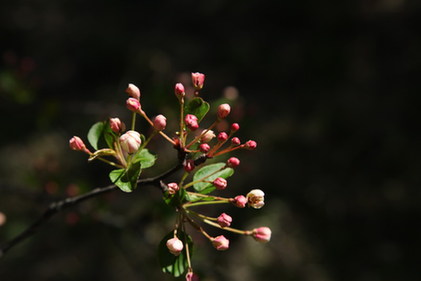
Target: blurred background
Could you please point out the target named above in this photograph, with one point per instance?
(328, 89)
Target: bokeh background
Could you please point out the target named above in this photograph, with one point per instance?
(328, 89)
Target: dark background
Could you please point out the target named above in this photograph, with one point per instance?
(328, 89)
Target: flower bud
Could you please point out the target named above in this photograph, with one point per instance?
(179, 90)
(220, 243)
(208, 136)
(250, 145)
(223, 110)
(189, 165)
(175, 246)
(133, 91)
(133, 104)
(233, 162)
(173, 188)
(191, 122)
(190, 276)
(160, 122)
(130, 141)
(198, 80)
(256, 198)
(77, 143)
(235, 141)
(222, 136)
(204, 147)
(235, 127)
(224, 220)
(239, 201)
(116, 125)
(262, 234)
(220, 183)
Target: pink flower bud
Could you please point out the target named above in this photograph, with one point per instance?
(130, 141)
(250, 145)
(204, 147)
(222, 136)
(233, 162)
(173, 188)
(220, 183)
(223, 110)
(240, 201)
(220, 243)
(235, 127)
(208, 136)
(191, 122)
(179, 90)
(189, 165)
(256, 198)
(235, 141)
(133, 91)
(116, 125)
(133, 104)
(224, 220)
(76, 143)
(160, 122)
(190, 276)
(175, 246)
(198, 80)
(262, 234)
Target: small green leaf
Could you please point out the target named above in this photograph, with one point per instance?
(174, 265)
(205, 187)
(126, 179)
(109, 136)
(95, 133)
(194, 198)
(176, 199)
(198, 107)
(145, 158)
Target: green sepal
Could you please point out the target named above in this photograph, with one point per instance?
(205, 187)
(197, 107)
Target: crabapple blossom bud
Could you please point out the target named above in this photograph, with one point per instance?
(204, 147)
(133, 104)
(222, 136)
(240, 201)
(189, 165)
(233, 162)
(198, 80)
(223, 110)
(208, 136)
(191, 122)
(220, 183)
(235, 127)
(130, 141)
(250, 145)
(160, 122)
(133, 91)
(256, 198)
(175, 246)
(179, 90)
(235, 141)
(116, 125)
(173, 188)
(77, 143)
(190, 276)
(262, 234)
(224, 220)
(220, 243)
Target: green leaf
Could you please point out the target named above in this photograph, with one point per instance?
(205, 187)
(109, 136)
(174, 265)
(126, 179)
(95, 133)
(194, 198)
(176, 199)
(145, 158)
(197, 107)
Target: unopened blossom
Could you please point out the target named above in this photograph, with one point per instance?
(77, 143)
(224, 220)
(207, 136)
(235, 127)
(220, 183)
(173, 188)
(204, 147)
(160, 122)
(175, 246)
(256, 198)
(250, 145)
(179, 90)
(233, 162)
(133, 104)
(222, 136)
(235, 141)
(190, 276)
(262, 234)
(133, 91)
(189, 165)
(130, 141)
(198, 80)
(117, 126)
(240, 201)
(220, 243)
(223, 110)
(191, 122)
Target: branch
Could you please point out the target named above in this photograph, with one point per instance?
(58, 206)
